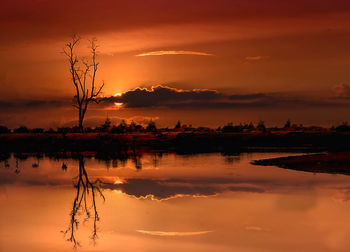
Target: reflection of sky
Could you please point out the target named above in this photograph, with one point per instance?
(171, 175)
(254, 207)
(163, 233)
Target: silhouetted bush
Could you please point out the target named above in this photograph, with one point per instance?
(230, 128)
(344, 127)
(287, 124)
(249, 126)
(151, 127)
(88, 130)
(76, 129)
(116, 130)
(178, 125)
(21, 129)
(106, 126)
(37, 130)
(50, 131)
(123, 128)
(261, 126)
(138, 128)
(63, 130)
(4, 129)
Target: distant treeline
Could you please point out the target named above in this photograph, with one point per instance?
(133, 127)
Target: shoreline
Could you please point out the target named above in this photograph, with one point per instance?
(332, 163)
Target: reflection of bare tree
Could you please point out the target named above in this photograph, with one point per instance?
(84, 203)
(19, 157)
(4, 157)
(137, 162)
(17, 167)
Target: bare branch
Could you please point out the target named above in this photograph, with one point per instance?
(80, 71)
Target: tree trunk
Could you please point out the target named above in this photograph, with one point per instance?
(81, 118)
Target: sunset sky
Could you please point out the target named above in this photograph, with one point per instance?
(203, 62)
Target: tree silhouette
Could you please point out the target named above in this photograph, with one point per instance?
(85, 200)
(82, 72)
(261, 126)
(151, 127)
(288, 124)
(178, 125)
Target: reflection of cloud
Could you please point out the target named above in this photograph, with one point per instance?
(163, 233)
(3, 192)
(169, 189)
(342, 195)
(341, 90)
(297, 202)
(255, 228)
(160, 53)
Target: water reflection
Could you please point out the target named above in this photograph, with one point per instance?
(84, 204)
(162, 233)
(172, 203)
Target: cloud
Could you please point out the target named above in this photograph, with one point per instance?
(255, 228)
(247, 96)
(160, 53)
(341, 90)
(168, 97)
(256, 58)
(161, 95)
(174, 98)
(341, 195)
(34, 104)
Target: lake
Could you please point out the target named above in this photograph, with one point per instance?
(170, 202)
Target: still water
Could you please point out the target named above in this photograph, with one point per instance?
(205, 202)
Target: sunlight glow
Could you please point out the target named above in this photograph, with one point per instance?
(118, 191)
(118, 94)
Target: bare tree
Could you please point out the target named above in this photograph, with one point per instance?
(83, 74)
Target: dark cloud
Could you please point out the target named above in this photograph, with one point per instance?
(163, 96)
(34, 104)
(247, 96)
(172, 98)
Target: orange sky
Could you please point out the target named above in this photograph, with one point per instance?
(293, 49)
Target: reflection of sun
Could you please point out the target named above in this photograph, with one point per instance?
(118, 191)
(118, 181)
(118, 94)
(118, 104)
